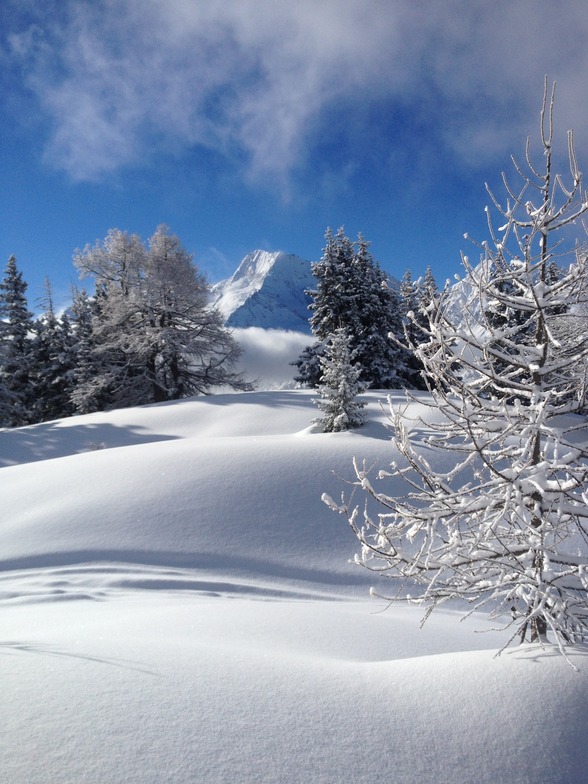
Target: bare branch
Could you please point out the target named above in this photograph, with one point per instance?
(494, 510)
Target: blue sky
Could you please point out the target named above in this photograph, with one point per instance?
(245, 124)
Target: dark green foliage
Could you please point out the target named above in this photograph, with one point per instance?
(16, 327)
(354, 294)
(53, 364)
(411, 294)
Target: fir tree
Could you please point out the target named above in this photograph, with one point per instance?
(353, 293)
(426, 291)
(339, 386)
(16, 327)
(509, 325)
(89, 391)
(411, 335)
(382, 360)
(408, 300)
(53, 363)
(308, 365)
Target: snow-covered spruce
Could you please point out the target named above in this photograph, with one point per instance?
(353, 292)
(54, 352)
(339, 386)
(16, 359)
(415, 298)
(507, 526)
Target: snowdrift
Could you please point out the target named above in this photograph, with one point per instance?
(178, 606)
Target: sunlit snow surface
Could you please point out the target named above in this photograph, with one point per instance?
(177, 605)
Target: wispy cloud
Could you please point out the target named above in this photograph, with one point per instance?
(123, 80)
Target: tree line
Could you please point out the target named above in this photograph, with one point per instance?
(359, 318)
(146, 335)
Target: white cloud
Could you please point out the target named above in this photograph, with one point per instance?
(125, 79)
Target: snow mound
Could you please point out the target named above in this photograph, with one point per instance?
(178, 606)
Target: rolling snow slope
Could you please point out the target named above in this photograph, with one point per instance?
(178, 605)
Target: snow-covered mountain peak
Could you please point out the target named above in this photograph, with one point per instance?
(256, 265)
(266, 290)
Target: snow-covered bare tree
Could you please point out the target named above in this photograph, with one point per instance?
(339, 386)
(155, 337)
(120, 345)
(505, 526)
(192, 352)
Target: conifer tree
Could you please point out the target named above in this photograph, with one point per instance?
(425, 292)
(408, 300)
(335, 296)
(308, 365)
(339, 385)
(383, 361)
(16, 327)
(410, 335)
(332, 306)
(353, 293)
(509, 325)
(53, 362)
(89, 391)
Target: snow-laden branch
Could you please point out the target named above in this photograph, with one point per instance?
(495, 509)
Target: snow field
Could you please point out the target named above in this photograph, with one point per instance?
(177, 606)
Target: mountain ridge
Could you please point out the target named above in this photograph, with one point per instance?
(268, 290)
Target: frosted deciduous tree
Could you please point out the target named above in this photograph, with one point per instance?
(505, 525)
(339, 386)
(192, 351)
(155, 337)
(119, 345)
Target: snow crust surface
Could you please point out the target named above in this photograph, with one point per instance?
(178, 606)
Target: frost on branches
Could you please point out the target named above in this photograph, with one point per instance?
(154, 336)
(505, 528)
(339, 386)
